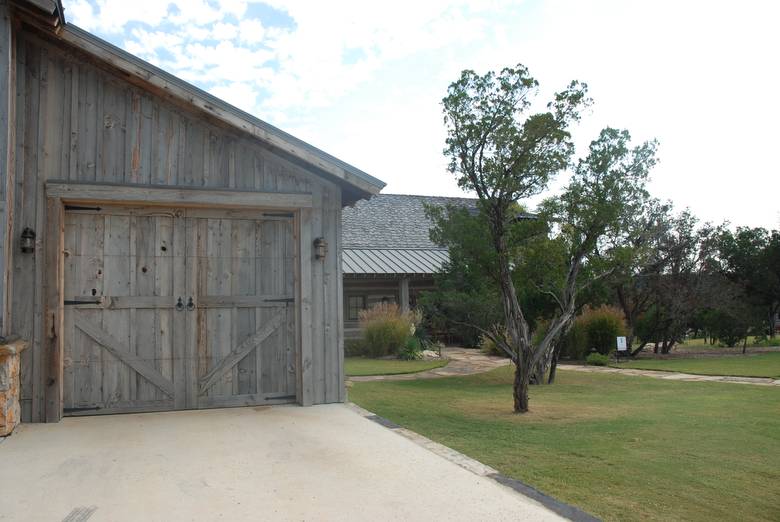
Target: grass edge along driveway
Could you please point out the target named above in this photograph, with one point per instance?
(363, 366)
(620, 447)
(758, 365)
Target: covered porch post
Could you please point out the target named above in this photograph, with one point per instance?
(403, 293)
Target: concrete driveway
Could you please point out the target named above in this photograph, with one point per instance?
(265, 463)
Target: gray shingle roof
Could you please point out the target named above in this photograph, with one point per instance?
(392, 221)
(389, 234)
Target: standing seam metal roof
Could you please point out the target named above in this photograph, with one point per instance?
(389, 234)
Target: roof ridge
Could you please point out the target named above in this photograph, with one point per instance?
(426, 196)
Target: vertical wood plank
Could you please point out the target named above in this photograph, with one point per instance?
(7, 149)
(318, 296)
(54, 317)
(181, 328)
(75, 118)
(331, 208)
(336, 263)
(21, 301)
(38, 175)
(306, 373)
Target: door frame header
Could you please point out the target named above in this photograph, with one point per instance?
(155, 195)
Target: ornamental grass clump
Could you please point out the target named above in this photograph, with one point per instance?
(386, 330)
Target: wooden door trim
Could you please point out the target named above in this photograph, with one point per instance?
(59, 193)
(53, 323)
(114, 193)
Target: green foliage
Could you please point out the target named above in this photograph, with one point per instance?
(602, 326)
(465, 297)
(763, 341)
(411, 350)
(729, 326)
(354, 347)
(493, 143)
(385, 329)
(750, 257)
(597, 359)
(488, 347)
(594, 329)
(574, 344)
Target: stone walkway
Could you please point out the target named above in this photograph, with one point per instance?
(463, 361)
(673, 376)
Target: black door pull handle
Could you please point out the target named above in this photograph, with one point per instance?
(190, 305)
(179, 305)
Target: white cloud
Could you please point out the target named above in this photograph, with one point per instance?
(111, 16)
(363, 80)
(251, 31)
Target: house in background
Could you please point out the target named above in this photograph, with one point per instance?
(387, 253)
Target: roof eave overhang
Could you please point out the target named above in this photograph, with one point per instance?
(46, 13)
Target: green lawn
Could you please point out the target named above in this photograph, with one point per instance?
(360, 366)
(620, 447)
(761, 365)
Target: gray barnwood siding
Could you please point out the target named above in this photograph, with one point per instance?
(7, 69)
(80, 122)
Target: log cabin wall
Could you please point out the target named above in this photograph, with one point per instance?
(77, 120)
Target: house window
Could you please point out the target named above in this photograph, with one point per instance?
(355, 303)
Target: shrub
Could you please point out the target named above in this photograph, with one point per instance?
(385, 329)
(763, 341)
(411, 351)
(575, 343)
(597, 359)
(488, 347)
(354, 347)
(601, 326)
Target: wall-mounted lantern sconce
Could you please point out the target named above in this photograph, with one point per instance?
(28, 240)
(320, 248)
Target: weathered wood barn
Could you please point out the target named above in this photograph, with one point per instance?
(161, 249)
(387, 254)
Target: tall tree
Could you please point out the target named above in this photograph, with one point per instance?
(681, 282)
(751, 258)
(504, 154)
(633, 281)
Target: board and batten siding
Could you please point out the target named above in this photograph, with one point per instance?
(78, 122)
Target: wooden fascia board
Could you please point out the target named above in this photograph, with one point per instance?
(178, 89)
(178, 196)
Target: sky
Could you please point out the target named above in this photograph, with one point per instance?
(363, 80)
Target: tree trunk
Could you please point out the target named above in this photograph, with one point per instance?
(540, 370)
(554, 363)
(521, 389)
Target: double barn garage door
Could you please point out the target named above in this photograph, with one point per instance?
(176, 309)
